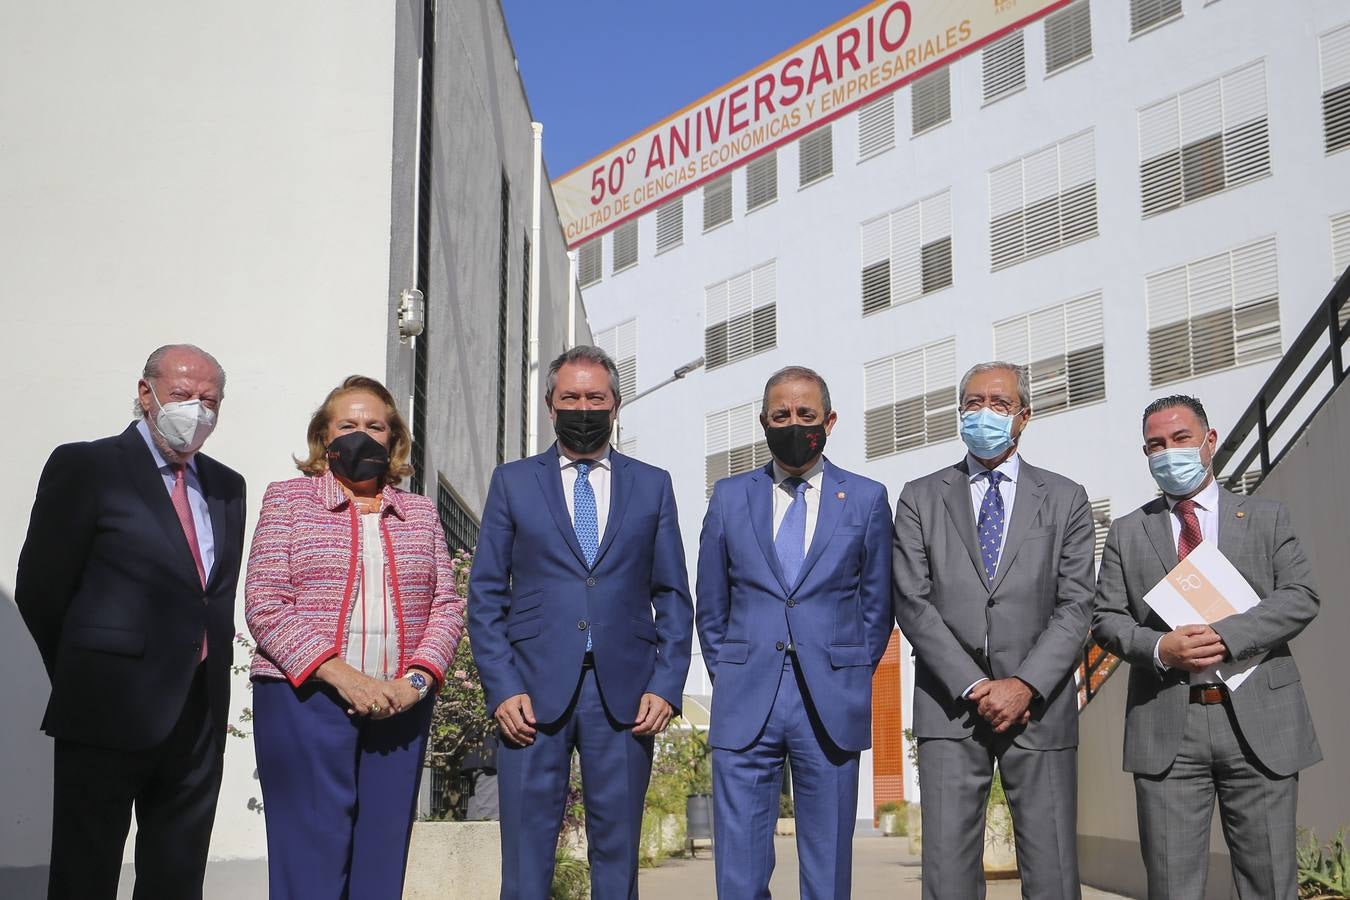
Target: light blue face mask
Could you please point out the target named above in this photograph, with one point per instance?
(1178, 471)
(986, 433)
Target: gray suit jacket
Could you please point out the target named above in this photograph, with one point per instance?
(1256, 537)
(1034, 616)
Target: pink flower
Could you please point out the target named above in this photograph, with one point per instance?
(461, 674)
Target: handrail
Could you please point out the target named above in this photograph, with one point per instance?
(1325, 323)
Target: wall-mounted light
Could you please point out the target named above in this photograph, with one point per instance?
(412, 314)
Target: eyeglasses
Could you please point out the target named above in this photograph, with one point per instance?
(999, 405)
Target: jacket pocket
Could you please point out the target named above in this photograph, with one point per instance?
(644, 630)
(842, 655)
(733, 652)
(1282, 672)
(527, 602)
(521, 631)
(121, 641)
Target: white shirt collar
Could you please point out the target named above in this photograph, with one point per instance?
(812, 475)
(599, 462)
(143, 426)
(1009, 467)
(1208, 499)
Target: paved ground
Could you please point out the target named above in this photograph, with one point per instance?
(882, 868)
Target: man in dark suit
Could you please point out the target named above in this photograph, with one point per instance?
(993, 588)
(126, 581)
(580, 545)
(1188, 737)
(794, 613)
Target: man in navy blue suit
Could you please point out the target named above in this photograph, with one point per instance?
(794, 613)
(581, 624)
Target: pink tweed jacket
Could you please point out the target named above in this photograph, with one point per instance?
(305, 560)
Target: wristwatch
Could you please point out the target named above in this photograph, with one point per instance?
(419, 681)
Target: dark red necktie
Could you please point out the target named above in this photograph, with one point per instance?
(1190, 528)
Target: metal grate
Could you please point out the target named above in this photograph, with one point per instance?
(624, 247)
(503, 309)
(426, 131)
(815, 155)
(717, 202)
(876, 127)
(761, 181)
(741, 315)
(910, 399)
(1062, 348)
(1005, 66)
(1145, 14)
(460, 526)
(670, 224)
(589, 262)
(1068, 36)
(907, 253)
(931, 101)
(525, 411)
(1334, 51)
(733, 443)
(1042, 202)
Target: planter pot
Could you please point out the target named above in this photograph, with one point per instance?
(459, 858)
(786, 826)
(889, 823)
(1000, 851)
(914, 827)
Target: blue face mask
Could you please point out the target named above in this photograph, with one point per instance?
(1178, 471)
(986, 433)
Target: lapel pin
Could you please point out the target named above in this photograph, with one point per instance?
(841, 495)
(1239, 514)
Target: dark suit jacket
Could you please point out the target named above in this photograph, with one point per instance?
(108, 588)
(837, 614)
(532, 598)
(1034, 615)
(1272, 713)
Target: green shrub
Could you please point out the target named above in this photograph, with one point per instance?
(786, 810)
(571, 877)
(1323, 871)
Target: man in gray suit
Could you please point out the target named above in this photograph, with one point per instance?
(1187, 741)
(993, 588)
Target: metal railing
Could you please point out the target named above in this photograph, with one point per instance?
(1096, 667)
(1268, 416)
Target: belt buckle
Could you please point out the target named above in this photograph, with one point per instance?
(1208, 694)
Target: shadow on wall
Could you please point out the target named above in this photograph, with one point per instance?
(26, 773)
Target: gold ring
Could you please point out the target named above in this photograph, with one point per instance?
(374, 707)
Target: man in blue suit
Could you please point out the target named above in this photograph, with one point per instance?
(581, 624)
(794, 613)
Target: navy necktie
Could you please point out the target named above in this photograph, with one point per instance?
(990, 523)
(790, 542)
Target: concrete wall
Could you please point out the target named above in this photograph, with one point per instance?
(1108, 836)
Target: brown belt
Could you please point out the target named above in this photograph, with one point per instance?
(1208, 694)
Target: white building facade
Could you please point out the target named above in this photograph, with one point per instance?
(1133, 198)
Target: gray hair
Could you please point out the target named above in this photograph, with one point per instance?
(582, 353)
(154, 368)
(796, 373)
(1022, 373)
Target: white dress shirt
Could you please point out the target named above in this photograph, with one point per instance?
(1207, 513)
(599, 479)
(372, 628)
(1007, 489)
(201, 513)
(783, 497)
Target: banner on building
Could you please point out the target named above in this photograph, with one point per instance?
(877, 49)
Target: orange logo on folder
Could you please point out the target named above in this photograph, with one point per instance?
(1199, 592)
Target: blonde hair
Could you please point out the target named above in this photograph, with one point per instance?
(400, 439)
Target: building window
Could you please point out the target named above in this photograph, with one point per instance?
(1340, 254)
(1204, 140)
(1043, 201)
(525, 411)
(761, 181)
(931, 101)
(741, 316)
(717, 202)
(669, 225)
(1213, 314)
(620, 342)
(1101, 523)
(1061, 346)
(588, 262)
(1068, 36)
(907, 253)
(1334, 47)
(910, 399)
(624, 247)
(876, 127)
(503, 311)
(1005, 66)
(734, 441)
(1144, 14)
(815, 155)
(459, 525)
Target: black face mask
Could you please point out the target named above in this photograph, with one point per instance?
(582, 430)
(795, 445)
(356, 456)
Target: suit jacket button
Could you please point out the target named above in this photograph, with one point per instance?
(991, 602)
(590, 582)
(581, 624)
(792, 603)
(778, 646)
(197, 647)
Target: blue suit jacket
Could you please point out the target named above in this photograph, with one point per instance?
(532, 600)
(838, 614)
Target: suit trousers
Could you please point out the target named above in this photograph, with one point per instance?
(1256, 809)
(173, 788)
(532, 791)
(1042, 789)
(339, 792)
(746, 787)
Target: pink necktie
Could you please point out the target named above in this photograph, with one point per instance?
(180, 506)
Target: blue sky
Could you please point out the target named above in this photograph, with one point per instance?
(598, 72)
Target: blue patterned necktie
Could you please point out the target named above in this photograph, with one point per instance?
(584, 519)
(990, 523)
(790, 542)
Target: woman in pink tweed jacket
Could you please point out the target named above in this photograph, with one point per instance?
(352, 602)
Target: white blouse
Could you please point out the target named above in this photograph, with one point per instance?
(372, 627)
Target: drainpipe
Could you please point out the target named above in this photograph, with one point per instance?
(532, 395)
(571, 299)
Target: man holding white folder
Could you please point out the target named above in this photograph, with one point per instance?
(1189, 737)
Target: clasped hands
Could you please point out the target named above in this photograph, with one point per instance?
(367, 696)
(1192, 648)
(1002, 702)
(515, 717)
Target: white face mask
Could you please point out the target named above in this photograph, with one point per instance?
(184, 424)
